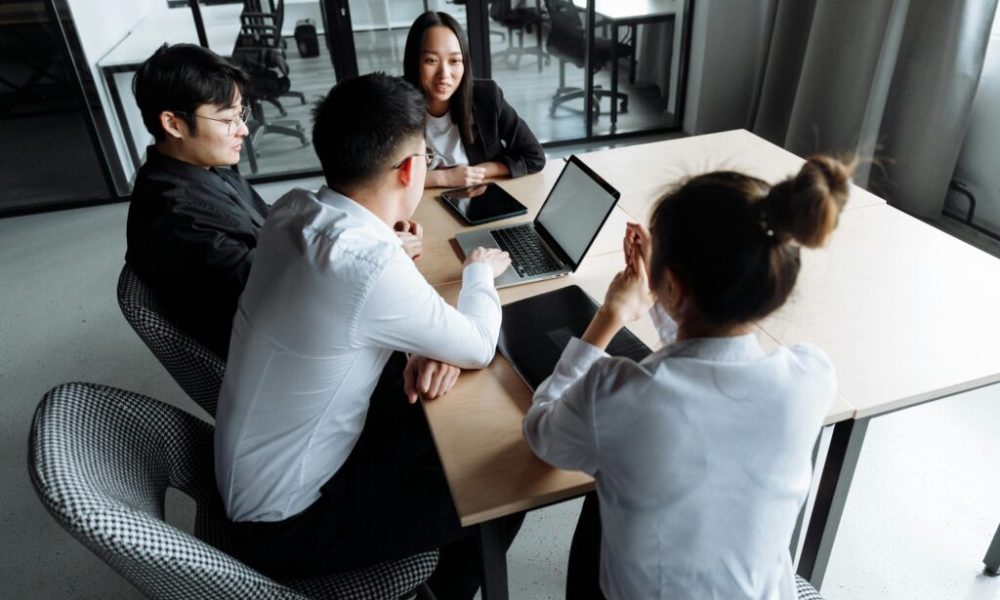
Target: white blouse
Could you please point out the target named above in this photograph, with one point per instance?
(702, 458)
(444, 138)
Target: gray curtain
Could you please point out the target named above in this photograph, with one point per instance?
(889, 80)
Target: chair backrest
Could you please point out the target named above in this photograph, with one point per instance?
(101, 460)
(194, 367)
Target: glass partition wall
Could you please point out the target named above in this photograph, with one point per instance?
(539, 51)
(577, 71)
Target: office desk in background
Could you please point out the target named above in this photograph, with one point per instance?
(631, 14)
(165, 25)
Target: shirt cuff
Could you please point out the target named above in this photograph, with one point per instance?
(581, 355)
(477, 274)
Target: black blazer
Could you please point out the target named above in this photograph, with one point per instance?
(500, 134)
(192, 234)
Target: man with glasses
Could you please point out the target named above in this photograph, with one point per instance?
(193, 224)
(321, 462)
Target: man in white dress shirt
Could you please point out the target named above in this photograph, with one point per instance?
(321, 462)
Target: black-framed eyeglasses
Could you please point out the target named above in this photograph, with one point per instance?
(429, 156)
(236, 122)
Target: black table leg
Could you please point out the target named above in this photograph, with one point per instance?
(494, 567)
(831, 496)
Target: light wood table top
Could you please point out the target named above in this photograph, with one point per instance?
(644, 172)
(905, 311)
(441, 260)
(477, 427)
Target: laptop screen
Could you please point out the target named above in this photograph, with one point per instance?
(576, 209)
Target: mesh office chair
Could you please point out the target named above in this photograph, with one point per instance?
(568, 41)
(101, 460)
(805, 591)
(194, 367)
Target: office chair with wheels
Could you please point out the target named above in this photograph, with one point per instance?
(518, 19)
(194, 367)
(269, 80)
(261, 22)
(101, 460)
(568, 41)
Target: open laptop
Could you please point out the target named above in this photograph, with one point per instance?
(535, 331)
(555, 243)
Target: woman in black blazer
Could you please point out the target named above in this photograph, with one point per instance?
(470, 126)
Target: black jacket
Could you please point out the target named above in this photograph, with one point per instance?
(500, 134)
(191, 235)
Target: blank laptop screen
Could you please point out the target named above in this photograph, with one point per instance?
(575, 210)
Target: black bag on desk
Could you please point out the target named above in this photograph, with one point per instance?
(305, 38)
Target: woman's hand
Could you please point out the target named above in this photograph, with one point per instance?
(637, 239)
(495, 258)
(628, 297)
(460, 176)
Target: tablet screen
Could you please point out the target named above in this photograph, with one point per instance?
(483, 203)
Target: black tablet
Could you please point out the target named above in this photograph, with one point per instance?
(483, 203)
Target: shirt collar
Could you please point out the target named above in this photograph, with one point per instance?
(346, 205)
(722, 349)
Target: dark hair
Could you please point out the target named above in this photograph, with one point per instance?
(461, 101)
(361, 124)
(181, 78)
(733, 241)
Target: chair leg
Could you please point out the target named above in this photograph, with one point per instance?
(277, 104)
(251, 154)
(992, 558)
(294, 94)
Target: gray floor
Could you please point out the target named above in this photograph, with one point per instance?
(921, 513)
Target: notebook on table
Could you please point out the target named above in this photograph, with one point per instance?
(536, 330)
(555, 243)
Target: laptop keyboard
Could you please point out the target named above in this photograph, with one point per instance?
(527, 255)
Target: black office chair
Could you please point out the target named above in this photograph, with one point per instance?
(269, 80)
(568, 42)
(519, 19)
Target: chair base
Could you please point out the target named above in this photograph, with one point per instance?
(566, 94)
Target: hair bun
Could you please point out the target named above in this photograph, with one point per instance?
(806, 207)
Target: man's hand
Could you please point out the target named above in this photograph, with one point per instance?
(412, 235)
(427, 377)
(495, 258)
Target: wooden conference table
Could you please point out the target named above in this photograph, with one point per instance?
(902, 309)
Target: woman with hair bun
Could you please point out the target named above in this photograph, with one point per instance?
(702, 451)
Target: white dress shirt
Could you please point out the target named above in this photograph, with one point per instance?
(444, 138)
(702, 458)
(331, 295)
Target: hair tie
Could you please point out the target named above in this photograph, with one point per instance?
(765, 226)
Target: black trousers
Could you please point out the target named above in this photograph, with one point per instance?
(389, 500)
(583, 573)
